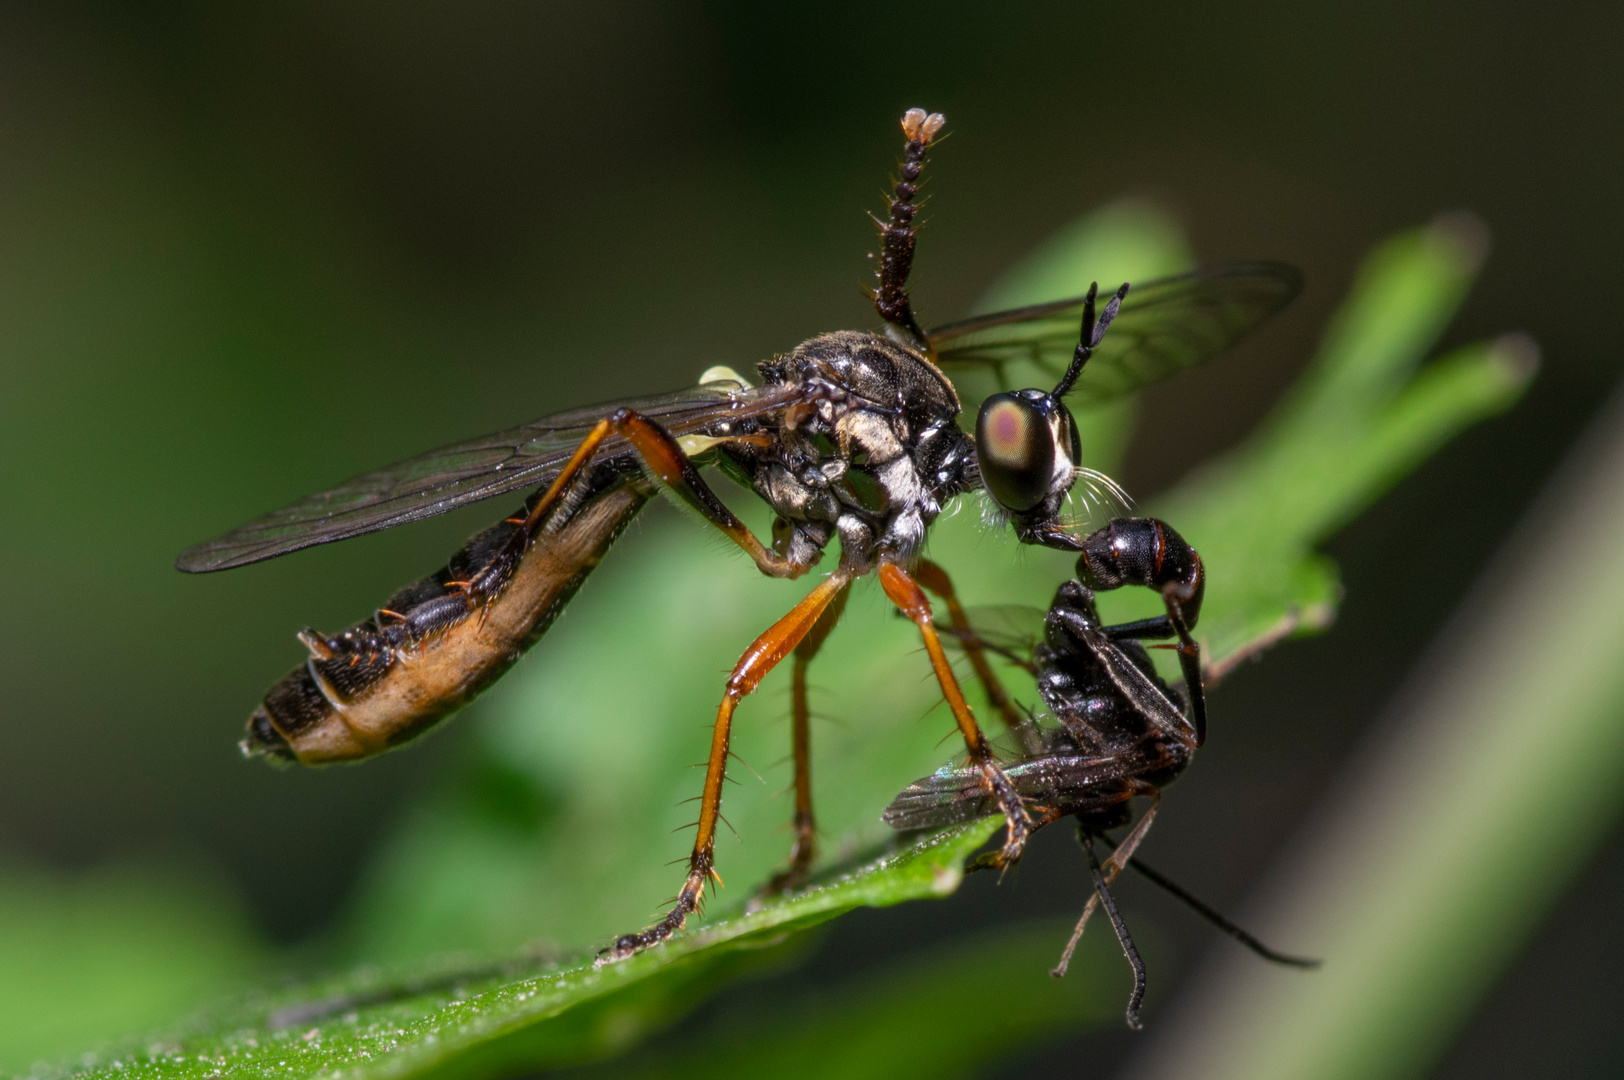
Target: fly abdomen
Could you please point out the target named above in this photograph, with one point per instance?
(302, 716)
(436, 643)
(345, 676)
(435, 615)
(487, 561)
(294, 707)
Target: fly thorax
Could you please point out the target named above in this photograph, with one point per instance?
(861, 433)
(803, 494)
(871, 442)
(945, 458)
(857, 547)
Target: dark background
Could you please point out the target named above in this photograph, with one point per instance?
(247, 250)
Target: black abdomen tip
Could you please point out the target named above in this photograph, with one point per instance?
(264, 740)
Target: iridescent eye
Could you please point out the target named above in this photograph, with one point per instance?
(1015, 448)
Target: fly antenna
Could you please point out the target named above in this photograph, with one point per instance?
(897, 231)
(1091, 334)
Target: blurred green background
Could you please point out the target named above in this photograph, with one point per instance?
(246, 251)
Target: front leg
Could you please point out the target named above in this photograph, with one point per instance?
(906, 594)
(752, 667)
(666, 461)
(898, 232)
(1148, 552)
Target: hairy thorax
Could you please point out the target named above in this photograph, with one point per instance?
(870, 454)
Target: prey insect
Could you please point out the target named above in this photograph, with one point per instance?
(1121, 732)
(850, 435)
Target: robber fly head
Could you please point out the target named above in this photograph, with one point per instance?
(1026, 440)
(1027, 447)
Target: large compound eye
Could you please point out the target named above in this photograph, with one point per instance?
(1015, 448)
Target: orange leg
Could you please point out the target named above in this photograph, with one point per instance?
(667, 462)
(934, 578)
(753, 666)
(906, 594)
(804, 849)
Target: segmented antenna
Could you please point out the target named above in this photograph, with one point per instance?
(1092, 333)
(897, 232)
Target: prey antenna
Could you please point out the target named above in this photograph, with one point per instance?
(898, 231)
(1218, 921)
(1092, 333)
(1128, 948)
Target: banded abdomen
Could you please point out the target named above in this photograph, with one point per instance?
(439, 642)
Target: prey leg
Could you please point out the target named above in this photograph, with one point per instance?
(906, 594)
(1149, 552)
(1213, 916)
(1124, 938)
(1113, 866)
(762, 656)
(804, 848)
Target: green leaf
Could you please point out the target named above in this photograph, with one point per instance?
(117, 949)
(1124, 240)
(412, 1023)
(946, 1012)
(1359, 419)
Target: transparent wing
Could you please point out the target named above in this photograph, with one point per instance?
(433, 483)
(1011, 630)
(1164, 326)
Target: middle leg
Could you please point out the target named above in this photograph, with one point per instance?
(934, 578)
(804, 848)
(664, 458)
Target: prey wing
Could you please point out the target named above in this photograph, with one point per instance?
(1147, 699)
(956, 793)
(1010, 630)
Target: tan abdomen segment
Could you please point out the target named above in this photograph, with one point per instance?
(349, 707)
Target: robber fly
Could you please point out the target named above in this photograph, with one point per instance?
(851, 435)
(1121, 732)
